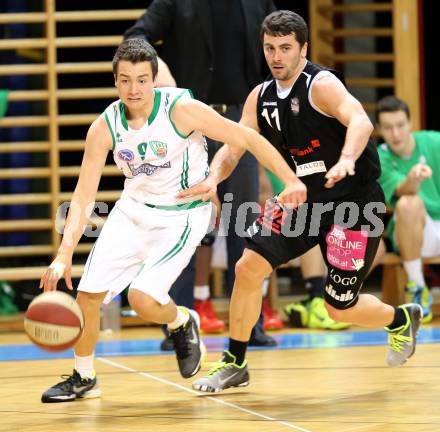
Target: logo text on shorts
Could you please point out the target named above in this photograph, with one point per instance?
(345, 281)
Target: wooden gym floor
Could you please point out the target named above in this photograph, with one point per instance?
(315, 382)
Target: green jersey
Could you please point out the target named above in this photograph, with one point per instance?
(395, 169)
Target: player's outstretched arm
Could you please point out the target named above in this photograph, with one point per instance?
(190, 115)
(97, 145)
(331, 97)
(226, 158)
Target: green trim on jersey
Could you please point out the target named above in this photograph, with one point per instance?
(184, 206)
(123, 117)
(156, 105)
(111, 131)
(151, 117)
(177, 247)
(185, 168)
(86, 270)
(171, 108)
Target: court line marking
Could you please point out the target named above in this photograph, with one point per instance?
(194, 392)
(357, 428)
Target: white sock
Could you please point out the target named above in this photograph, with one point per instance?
(201, 292)
(414, 271)
(265, 287)
(84, 366)
(181, 318)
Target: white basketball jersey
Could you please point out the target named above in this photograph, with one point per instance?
(157, 160)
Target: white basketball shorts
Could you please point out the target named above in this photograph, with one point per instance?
(431, 238)
(144, 248)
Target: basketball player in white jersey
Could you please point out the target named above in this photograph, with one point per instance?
(157, 139)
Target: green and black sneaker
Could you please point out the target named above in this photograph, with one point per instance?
(402, 340)
(320, 319)
(223, 375)
(298, 312)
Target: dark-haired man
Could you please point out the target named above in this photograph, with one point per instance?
(157, 140)
(323, 133)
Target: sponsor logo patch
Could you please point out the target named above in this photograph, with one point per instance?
(346, 248)
(159, 148)
(310, 168)
(147, 169)
(305, 151)
(126, 155)
(294, 105)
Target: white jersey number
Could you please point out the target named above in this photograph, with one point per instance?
(274, 115)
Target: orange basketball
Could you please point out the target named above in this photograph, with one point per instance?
(54, 321)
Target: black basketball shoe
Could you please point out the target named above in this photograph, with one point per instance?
(72, 388)
(188, 345)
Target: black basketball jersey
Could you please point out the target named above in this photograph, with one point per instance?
(311, 141)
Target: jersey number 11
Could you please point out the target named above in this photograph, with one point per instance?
(274, 115)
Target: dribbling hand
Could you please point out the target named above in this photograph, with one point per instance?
(61, 266)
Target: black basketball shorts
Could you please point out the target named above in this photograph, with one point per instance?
(348, 233)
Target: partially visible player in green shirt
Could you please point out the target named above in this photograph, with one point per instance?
(411, 181)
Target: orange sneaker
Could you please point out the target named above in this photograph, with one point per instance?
(271, 319)
(209, 323)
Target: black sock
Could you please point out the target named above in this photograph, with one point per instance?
(238, 350)
(315, 286)
(399, 318)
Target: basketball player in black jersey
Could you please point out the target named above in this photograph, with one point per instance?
(323, 132)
